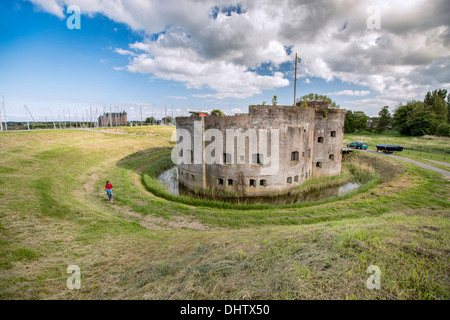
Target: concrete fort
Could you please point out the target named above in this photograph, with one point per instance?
(270, 149)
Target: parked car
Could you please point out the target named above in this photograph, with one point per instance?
(358, 145)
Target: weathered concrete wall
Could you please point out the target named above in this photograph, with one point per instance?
(327, 156)
(298, 129)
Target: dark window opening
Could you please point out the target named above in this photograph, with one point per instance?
(319, 164)
(303, 154)
(252, 183)
(192, 177)
(333, 134)
(230, 182)
(331, 157)
(296, 178)
(262, 183)
(320, 140)
(226, 158)
(294, 156)
(220, 182)
(258, 158)
(289, 180)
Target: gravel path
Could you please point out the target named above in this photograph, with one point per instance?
(417, 163)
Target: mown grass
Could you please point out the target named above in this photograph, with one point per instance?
(54, 213)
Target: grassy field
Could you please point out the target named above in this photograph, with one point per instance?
(423, 149)
(53, 213)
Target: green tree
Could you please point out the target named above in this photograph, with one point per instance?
(400, 118)
(355, 121)
(384, 119)
(274, 100)
(443, 130)
(167, 120)
(319, 98)
(435, 100)
(217, 113)
(150, 120)
(421, 120)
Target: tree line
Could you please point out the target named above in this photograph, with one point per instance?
(415, 118)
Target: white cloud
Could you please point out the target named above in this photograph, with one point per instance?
(408, 56)
(124, 52)
(176, 97)
(354, 93)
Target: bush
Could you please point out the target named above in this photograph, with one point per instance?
(443, 130)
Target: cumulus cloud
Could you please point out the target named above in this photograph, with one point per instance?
(354, 93)
(221, 45)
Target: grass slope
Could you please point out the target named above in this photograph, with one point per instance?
(54, 213)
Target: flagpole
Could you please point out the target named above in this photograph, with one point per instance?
(295, 80)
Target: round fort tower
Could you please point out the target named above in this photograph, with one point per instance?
(270, 149)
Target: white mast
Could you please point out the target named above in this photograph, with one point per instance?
(1, 123)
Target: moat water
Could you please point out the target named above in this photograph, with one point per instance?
(169, 179)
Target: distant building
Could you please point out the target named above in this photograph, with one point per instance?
(113, 119)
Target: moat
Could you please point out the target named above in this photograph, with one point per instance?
(169, 179)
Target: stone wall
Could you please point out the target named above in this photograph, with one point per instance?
(298, 129)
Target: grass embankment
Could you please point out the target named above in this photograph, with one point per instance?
(417, 148)
(54, 213)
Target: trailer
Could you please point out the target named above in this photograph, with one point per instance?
(388, 148)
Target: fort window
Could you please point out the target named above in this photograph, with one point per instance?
(262, 182)
(257, 158)
(319, 164)
(192, 156)
(308, 154)
(303, 154)
(252, 183)
(289, 180)
(220, 182)
(187, 175)
(306, 176)
(296, 178)
(331, 157)
(192, 177)
(226, 158)
(333, 134)
(294, 156)
(230, 182)
(320, 140)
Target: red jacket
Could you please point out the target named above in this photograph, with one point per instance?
(109, 186)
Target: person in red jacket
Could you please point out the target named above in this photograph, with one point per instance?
(108, 188)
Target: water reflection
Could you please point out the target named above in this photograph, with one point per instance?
(169, 179)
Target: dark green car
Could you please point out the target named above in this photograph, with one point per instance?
(358, 145)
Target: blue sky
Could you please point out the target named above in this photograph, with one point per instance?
(207, 56)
